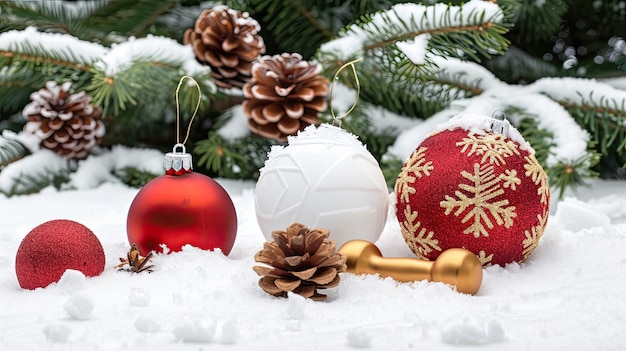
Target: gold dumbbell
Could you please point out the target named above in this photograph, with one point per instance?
(459, 268)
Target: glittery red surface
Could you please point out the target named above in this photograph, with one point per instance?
(177, 210)
(53, 247)
(438, 182)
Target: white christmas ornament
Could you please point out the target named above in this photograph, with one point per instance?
(325, 178)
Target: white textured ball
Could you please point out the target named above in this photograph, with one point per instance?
(325, 178)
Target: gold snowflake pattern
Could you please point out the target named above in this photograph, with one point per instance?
(422, 242)
(510, 179)
(483, 258)
(534, 235)
(479, 196)
(416, 167)
(538, 176)
(492, 147)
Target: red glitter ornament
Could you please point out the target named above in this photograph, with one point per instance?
(179, 208)
(469, 187)
(53, 247)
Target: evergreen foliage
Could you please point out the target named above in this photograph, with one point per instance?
(525, 41)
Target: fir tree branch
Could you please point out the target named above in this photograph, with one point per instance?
(240, 158)
(33, 183)
(129, 17)
(11, 150)
(53, 16)
(537, 20)
(35, 59)
(435, 31)
(474, 29)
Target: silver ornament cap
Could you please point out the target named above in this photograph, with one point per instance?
(177, 163)
(499, 123)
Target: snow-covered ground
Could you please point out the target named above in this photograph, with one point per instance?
(569, 295)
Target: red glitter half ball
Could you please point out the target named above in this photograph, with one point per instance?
(53, 247)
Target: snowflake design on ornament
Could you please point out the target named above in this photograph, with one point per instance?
(538, 176)
(534, 235)
(493, 147)
(416, 167)
(423, 242)
(483, 258)
(479, 196)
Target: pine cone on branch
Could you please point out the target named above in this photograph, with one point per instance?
(227, 41)
(300, 260)
(68, 124)
(284, 95)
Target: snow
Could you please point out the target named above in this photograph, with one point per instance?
(537, 100)
(568, 295)
(236, 126)
(82, 52)
(72, 281)
(472, 331)
(112, 60)
(151, 48)
(420, 18)
(479, 124)
(79, 306)
(415, 49)
(195, 329)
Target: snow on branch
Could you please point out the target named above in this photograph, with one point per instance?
(477, 78)
(66, 50)
(582, 92)
(406, 21)
(50, 45)
(570, 140)
(151, 48)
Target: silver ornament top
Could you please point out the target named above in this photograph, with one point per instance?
(177, 163)
(499, 123)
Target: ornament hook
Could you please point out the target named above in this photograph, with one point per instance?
(499, 123)
(332, 87)
(180, 82)
(177, 163)
(179, 145)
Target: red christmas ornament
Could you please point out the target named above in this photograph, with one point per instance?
(53, 247)
(471, 187)
(179, 208)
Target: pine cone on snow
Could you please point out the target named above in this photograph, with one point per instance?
(301, 260)
(68, 124)
(284, 95)
(227, 41)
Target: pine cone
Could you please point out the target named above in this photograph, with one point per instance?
(284, 95)
(67, 124)
(301, 261)
(227, 41)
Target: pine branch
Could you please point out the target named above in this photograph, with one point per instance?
(15, 89)
(572, 175)
(538, 20)
(130, 17)
(34, 183)
(134, 177)
(317, 21)
(517, 66)
(37, 59)
(54, 17)
(416, 89)
(472, 31)
(149, 88)
(597, 107)
(11, 150)
(241, 158)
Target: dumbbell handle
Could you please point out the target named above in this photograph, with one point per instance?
(457, 267)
